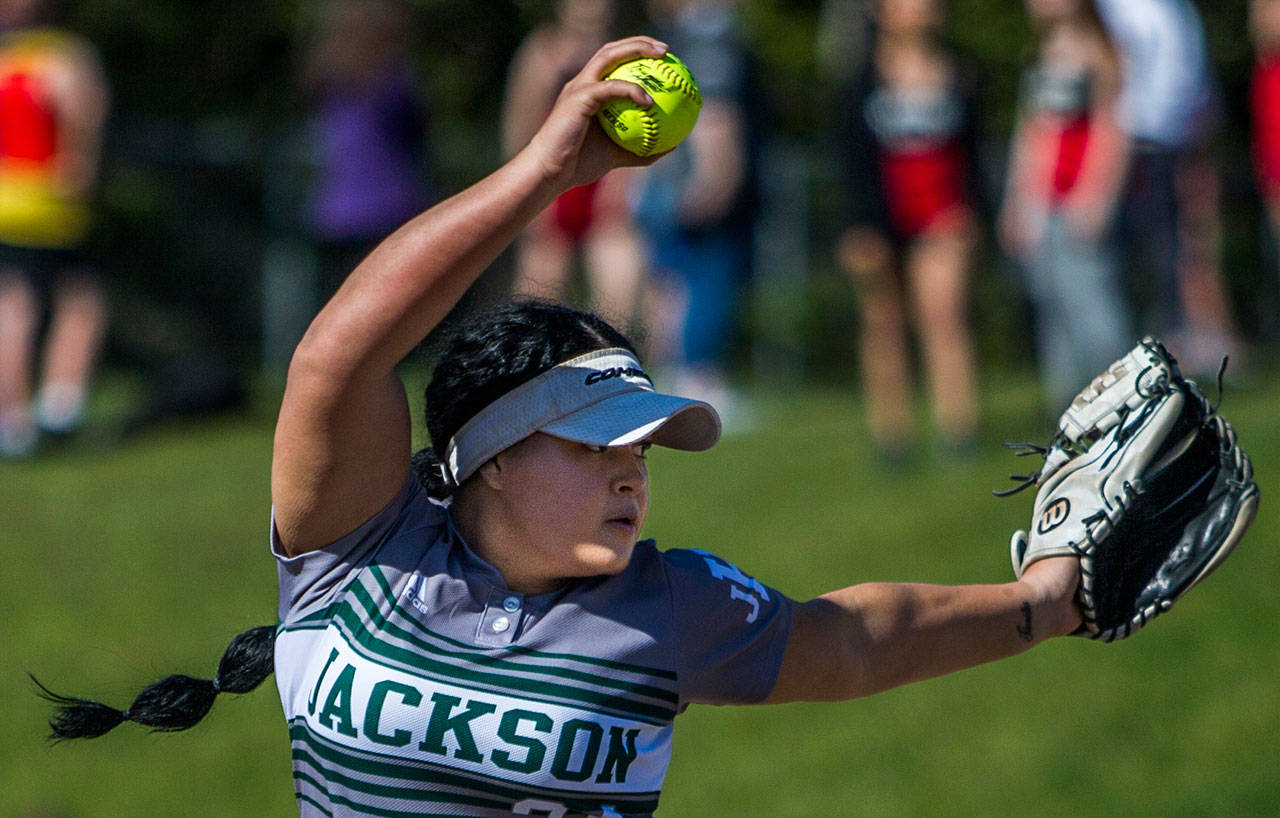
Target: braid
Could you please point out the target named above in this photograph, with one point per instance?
(175, 702)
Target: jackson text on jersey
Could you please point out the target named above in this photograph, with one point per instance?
(418, 722)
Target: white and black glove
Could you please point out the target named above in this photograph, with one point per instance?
(1144, 483)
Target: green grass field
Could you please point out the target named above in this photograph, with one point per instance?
(124, 565)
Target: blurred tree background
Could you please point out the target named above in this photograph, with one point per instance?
(202, 165)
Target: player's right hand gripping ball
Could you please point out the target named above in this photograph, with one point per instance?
(1145, 484)
(676, 103)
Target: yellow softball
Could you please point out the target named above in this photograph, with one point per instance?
(659, 128)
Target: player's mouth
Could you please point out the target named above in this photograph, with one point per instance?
(625, 523)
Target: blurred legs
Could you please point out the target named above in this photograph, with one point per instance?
(937, 279)
(19, 320)
(882, 341)
(76, 330)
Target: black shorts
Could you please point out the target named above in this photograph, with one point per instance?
(41, 266)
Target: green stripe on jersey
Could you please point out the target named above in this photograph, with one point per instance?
(376, 572)
(364, 809)
(369, 646)
(416, 662)
(489, 661)
(301, 796)
(333, 776)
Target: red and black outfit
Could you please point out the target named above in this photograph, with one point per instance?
(908, 160)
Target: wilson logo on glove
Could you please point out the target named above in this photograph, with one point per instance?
(1054, 516)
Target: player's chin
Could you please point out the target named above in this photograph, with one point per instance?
(607, 555)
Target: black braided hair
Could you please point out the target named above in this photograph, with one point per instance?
(175, 702)
(493, 353)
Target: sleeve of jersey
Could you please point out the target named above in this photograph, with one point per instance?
(730, 630)
(309, 581)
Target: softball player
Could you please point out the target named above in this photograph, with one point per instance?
(498, 642)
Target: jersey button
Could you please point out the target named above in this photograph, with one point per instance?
(500, 624)
(511, 604)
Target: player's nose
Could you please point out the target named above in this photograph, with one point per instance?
(629, 474)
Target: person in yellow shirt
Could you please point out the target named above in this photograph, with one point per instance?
(53, 102)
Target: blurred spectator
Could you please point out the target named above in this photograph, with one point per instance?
(369, 132)
(1066, 170)
(1264, 27)
(907, 136)
(695, 208)
(1264, 103)
(1168, 105)
(594, 219)
(53, 102)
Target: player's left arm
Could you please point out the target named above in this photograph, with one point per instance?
(872, 637)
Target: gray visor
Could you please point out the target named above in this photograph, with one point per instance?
(602, 398)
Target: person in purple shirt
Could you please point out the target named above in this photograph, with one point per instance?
(367, 129)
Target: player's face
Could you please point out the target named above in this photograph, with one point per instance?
(579, 508)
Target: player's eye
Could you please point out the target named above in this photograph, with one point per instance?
(637, 449)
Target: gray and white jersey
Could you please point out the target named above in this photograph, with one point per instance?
(415, 683)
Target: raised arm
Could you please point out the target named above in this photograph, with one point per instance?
(868, 638)
(343, 436)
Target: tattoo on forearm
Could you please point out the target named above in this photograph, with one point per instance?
(1024, 630)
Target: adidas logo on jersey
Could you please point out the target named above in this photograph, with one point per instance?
(411, 594)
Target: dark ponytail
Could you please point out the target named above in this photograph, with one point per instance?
(489, 355)
(175, 702)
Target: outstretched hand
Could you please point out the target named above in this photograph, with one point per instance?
(570, 147)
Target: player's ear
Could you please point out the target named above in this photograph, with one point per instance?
(491, 473)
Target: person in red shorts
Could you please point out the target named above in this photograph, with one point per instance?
(907, 135)
(1067, 169)
(592, 221)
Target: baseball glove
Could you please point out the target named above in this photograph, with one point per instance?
(1144, 483)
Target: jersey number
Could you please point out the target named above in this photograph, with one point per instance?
(742, 587)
